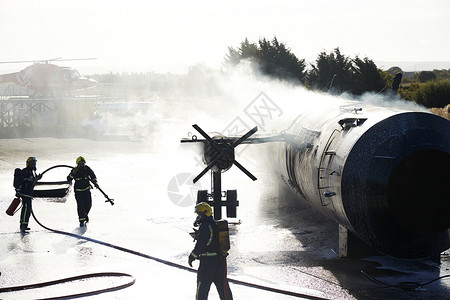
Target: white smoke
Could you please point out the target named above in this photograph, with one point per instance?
(233, 104)
(236, 89)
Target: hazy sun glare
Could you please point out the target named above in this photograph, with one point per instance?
(170, 36)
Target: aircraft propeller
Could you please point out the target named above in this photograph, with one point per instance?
(224, 150)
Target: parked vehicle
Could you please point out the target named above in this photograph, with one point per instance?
(119, 119)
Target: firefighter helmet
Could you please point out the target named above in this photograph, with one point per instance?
(31, 160)
(203, 207)
(81, 160)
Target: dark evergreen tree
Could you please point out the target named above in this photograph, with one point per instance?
(250, 51)
(272, 57)
(280, 62)
(233, 57)
(366, 77)
(331, 73)
(247, 50)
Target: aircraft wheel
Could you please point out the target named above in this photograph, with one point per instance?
(202, 196)
(232, 203)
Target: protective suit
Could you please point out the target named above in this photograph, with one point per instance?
(212, 266)
(82, 174)
(27, 181)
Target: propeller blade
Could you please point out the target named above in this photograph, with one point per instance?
(245, 136)
(207, 137)
(245, 170)
(68, 59)
(208, 167)
(221, 153)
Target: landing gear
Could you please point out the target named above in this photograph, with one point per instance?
(215, 199)
(232, 203)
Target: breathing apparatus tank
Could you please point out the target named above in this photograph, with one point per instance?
(224, 236)
(16, 182)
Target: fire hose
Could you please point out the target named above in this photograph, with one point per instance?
(95, 184)
(74, 278)
(166, 262)
(159, 260)
(175, 265)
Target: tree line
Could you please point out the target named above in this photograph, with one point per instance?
(332, 72)
(336, 73)
(428, 88)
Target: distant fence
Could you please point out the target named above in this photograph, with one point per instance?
(27, 117)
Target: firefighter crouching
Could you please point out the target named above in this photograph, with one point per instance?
(212, 266)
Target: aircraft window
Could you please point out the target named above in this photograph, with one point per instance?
(67, 76)
(96, 114)
(75, 74)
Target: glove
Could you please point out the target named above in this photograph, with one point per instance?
(194, 234)
(191, 259)
(39, 177)
(17, 193)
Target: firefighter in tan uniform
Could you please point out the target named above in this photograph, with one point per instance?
(212, 261)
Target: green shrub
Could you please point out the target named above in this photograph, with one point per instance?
(432, 93)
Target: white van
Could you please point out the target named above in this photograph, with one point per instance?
(125, 119)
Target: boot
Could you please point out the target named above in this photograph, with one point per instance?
(24, 228)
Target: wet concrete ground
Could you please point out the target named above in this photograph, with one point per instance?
(279, 243)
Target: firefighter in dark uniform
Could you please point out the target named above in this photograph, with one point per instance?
(82, 174)
(212, 263)
(27, 181)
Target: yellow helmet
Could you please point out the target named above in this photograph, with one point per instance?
(203, 207)
(31, 160)
(81, 160)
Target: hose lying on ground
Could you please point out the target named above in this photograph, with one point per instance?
(69, 279)
(175, 265)
(409, 286)
(235, 281)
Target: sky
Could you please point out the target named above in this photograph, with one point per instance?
(171, 36)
